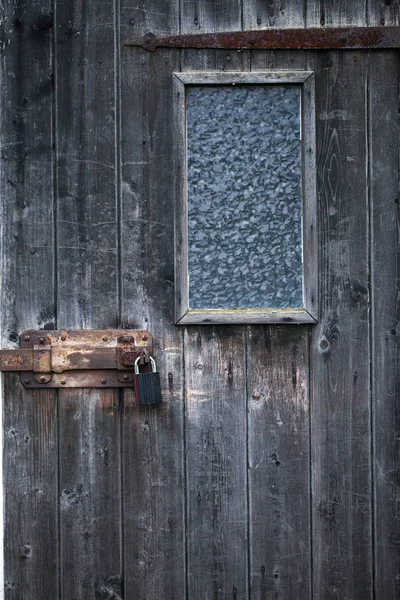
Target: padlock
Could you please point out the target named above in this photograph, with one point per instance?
(147, 385)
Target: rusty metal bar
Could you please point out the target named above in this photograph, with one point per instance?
(76, 358)
(16, 360)
(329, 38)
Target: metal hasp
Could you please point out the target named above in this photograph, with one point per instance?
(314, 38)
(79, 358)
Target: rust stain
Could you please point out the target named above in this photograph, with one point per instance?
(329, 38)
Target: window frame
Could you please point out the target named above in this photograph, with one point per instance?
(308, 314)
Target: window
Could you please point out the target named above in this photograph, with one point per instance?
(245, 210)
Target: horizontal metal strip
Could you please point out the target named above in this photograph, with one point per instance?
(317, 38)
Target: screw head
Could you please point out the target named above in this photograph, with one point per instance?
(42, 379)
(144, 337)
(125, 377)
(63, 337)
(103, 381)
(27, 338)
(63, 382)
(41, 340)
(27, 381)
(105, 339)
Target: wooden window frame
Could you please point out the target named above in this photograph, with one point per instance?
(308, 314)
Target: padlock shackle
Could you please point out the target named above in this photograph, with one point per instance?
(153, 365)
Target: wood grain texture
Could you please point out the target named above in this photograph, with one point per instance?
(338, 13)
(260, 14)
(279, 462)
(30, 483)
(216, 462)
(87, 256)
(279, 436)
(153, 519)
(201, 16)
(340, 435)
(384, 138)
(27, 298)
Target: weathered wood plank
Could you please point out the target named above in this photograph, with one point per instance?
(27, 298)
(340, 438)
(279, 462)
(384, 139)
(30, 484)
(89, 420)
(279, 436)
(203, 16)
(259, 14)
(90, 497)
(338, 13)
(216, 462)
(153, 495)
(216, 455)
(383, 12)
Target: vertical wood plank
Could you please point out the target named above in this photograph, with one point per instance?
(279, 462)
(216, 462)
(338, 13)
(341, 453)
(90, 420)
(153, 519)
(27, 298)
(200, 16)
(279, 436)
(383, 12)
(385, 215)
(260, 14)
(215, 418)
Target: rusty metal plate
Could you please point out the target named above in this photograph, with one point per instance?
(79, 379)
(316, 38)
(79, 358)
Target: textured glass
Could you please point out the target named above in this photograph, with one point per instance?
(244, 194)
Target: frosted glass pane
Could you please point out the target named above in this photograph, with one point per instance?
(244, 196)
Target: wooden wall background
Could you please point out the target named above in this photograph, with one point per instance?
(271, 471)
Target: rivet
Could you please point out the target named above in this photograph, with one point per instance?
(41, 340)
(27, 338)
(63, 337)
(103, 381)
(144, 337)
(43, 379)
(63, 382)
(105, 338)
(27, 381)
(125, 377)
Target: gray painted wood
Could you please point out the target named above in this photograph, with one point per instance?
(339, 13)
(30, 483)
(216, 462)
(260, 14)
(87, 256)
(153, 476)
(217, 563)
(384, 191)
(279, 462)
(202, 16)
(340, 416)
(150, 541)
(279, 436)
(27, 299)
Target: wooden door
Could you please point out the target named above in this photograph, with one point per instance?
(271, 468)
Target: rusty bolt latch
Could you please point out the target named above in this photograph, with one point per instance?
(78, 358)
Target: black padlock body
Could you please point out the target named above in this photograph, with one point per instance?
(148, 388)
